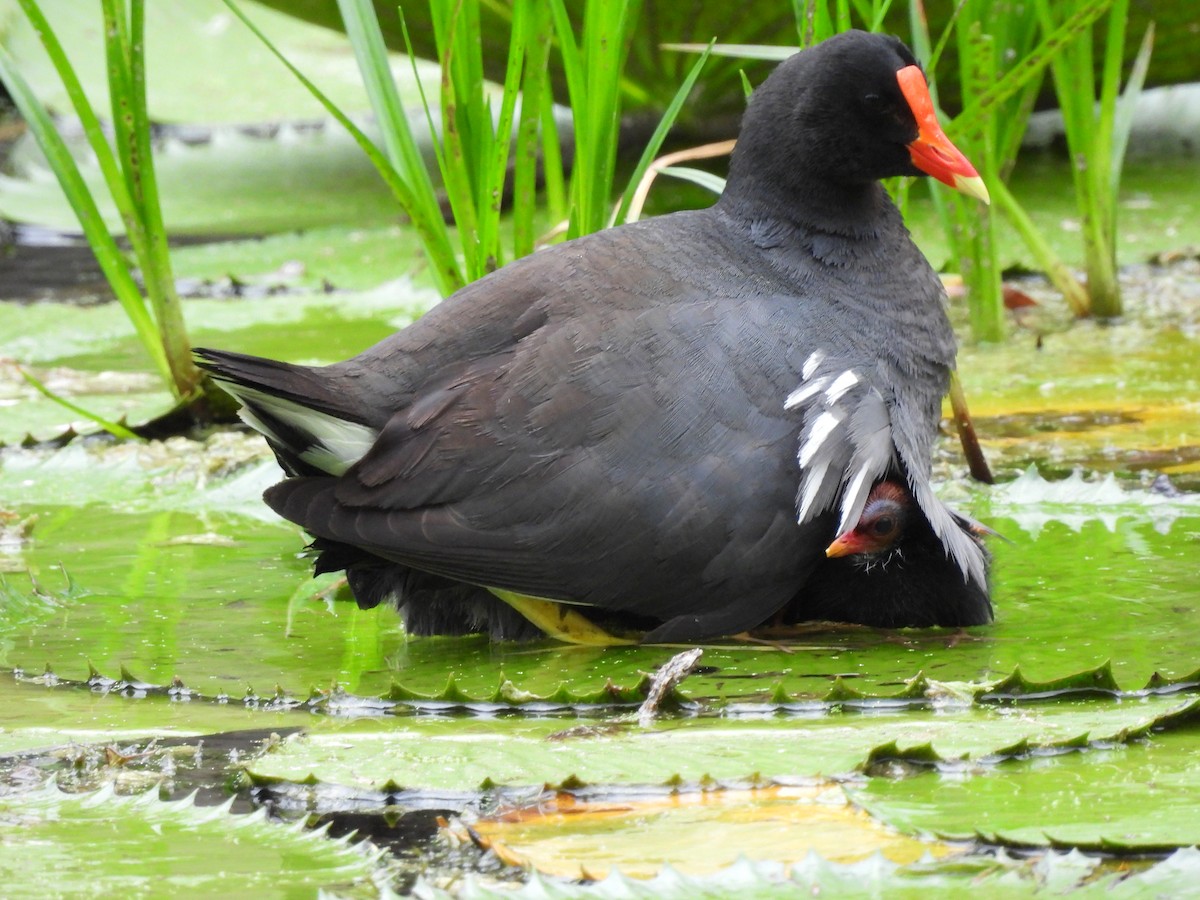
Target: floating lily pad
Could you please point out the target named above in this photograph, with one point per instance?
(37, 718)
(456, 754)
(1108, 398)
(995, 876)
(233, 184)
(70, 844)
(348, 258)
(696, 833)
(109, 514)
(1136, 797)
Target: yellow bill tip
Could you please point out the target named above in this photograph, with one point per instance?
(972, 186)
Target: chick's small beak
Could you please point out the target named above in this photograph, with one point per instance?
(846, 544)
(932, 151)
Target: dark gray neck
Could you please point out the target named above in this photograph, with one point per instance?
(812, 204)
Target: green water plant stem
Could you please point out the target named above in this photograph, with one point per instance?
(992, 40)
(1097, 125)
(476, 146)
(1003, 51)
(154, 309)
(116, 429)
(593, 64)
(1055, 269)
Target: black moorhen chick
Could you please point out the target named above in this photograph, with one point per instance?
(665, 423)
(891, 571)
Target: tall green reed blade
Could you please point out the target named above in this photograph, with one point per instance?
(402, 168)
(981, 110)
(554, 166)
(1097, 128)
(463, 132)
(976, 224)
(538, 30)
(1123, 119)
(497, 151)
(1075, 88)
(593, 67)
(125, 52)
(656, 139)
(968, 227)
(112, 262)
(114, 179)
(978, 110)
(1051, 265)
(872, 12)
(476, 147)
(157, 316)
(595, 90)
(996, 105)
(817, 20)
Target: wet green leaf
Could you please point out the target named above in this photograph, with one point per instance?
(68, 844)
(1135, 797)
(1098, 682)
(429, 752)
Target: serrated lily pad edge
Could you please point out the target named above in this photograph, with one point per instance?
(919, 692)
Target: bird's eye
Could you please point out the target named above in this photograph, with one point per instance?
(883, 526)
(874, 102)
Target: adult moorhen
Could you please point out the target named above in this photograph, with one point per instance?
(665, 424)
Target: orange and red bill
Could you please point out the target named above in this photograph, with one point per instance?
(932, 151)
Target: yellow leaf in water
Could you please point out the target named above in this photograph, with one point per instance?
(697, 833)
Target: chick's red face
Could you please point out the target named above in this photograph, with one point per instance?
(879, 528)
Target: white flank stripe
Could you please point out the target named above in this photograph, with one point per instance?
(800, 394)
(841, 384)
(824, 425)
(810, 365)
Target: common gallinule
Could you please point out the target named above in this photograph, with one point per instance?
(664, 424)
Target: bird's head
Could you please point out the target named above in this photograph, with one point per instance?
(880, 529)
(848, 111)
